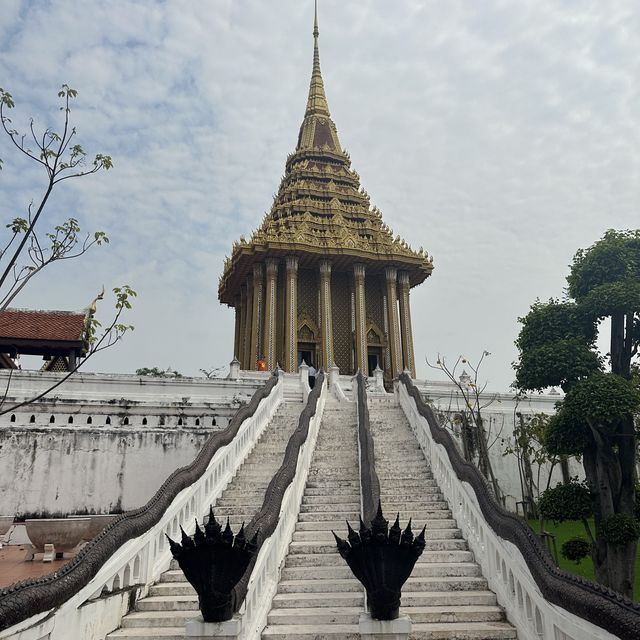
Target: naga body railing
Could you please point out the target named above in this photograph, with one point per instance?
(518, 566)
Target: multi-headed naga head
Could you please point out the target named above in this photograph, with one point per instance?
(213, 561)
(382, 559)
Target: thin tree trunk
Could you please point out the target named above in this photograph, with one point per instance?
(599, 548)
(485, 462)
(617, 348)
(528, 475)
(621, 562)
(612, 483)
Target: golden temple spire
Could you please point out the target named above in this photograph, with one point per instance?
(317, 102)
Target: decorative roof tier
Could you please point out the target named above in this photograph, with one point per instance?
(321, 210)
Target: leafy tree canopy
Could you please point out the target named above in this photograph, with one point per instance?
(566, 436)
(570, 501)
(553, 321)
(556, 346)
(613, 259)
(602, 398)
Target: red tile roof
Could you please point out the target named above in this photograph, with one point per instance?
(24, 324)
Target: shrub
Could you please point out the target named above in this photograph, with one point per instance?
(566, 502)
(575, 549)
(619, 529)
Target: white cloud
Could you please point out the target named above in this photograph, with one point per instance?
(500, 136)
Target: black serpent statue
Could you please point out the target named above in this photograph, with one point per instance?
(213, 561)
(382, 559)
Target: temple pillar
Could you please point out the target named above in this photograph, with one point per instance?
(243, 326)
(248, 361)
(361, 318)
(326, 316)
(394, 330)
(238, 327)
(408, 358)
(256, 319)
(291, 316)
(269, 341)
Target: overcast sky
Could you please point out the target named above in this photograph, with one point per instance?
(499, 135)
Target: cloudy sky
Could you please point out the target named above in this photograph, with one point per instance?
(499, 135)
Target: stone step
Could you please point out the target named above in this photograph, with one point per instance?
(462, 631)
(150, 633)
(331, 490)
(231, 507)
(429, 556)
(148, 619)
(391, 507)
(338, 506)
(163, 589)
(330, 599)
(424, 570)
(338, 498)
(312, 632)
(445, 583)
(168, 603)
(319, 483)
(455, 613)
(339, 526)
(405, 484)
(315, 616)
(173, 575)
(426, 494)
(338, 513)
(342, 585)
(480, 597)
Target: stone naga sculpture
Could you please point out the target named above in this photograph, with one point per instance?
(213, 562)
(382, 559)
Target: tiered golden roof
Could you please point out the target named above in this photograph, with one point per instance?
(320, 209)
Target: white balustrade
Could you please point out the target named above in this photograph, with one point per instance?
(99, 606)
(266, 572)
(502, 563)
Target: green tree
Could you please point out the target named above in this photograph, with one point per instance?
(596, 418)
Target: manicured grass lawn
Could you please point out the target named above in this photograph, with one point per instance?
(567, 530)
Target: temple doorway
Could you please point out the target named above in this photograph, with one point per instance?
(374, 359)
(307, 352)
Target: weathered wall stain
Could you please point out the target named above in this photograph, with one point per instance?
(61, 470)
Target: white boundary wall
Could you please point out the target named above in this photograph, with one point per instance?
(101, 443)
(499, 418)
(502, 563)
(99, 607)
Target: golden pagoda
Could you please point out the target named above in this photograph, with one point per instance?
(323, 279)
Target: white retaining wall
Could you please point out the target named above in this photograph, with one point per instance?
(101, 443)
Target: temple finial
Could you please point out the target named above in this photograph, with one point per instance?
(317, 103)
(316, 33)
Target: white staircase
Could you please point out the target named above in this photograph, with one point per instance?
(446, 595)
(173, 601)
(318, 597)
